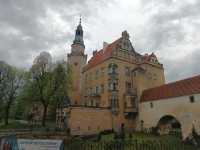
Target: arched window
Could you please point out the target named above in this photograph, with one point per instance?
(112, 68)
(112, 85)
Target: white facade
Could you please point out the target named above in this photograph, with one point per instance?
(185, 111)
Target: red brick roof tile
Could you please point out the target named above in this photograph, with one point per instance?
(184, 87)
(101, 55)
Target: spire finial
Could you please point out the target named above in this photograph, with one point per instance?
(80, 19)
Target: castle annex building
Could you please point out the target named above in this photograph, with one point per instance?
(118, 88)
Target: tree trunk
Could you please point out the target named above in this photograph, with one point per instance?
(7, 112)
(44, 116)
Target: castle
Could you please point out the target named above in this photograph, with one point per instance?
(114, 89)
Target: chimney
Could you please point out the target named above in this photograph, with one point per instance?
(94, 52)
(105, 44)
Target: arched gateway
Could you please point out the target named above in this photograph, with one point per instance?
(168, 123)
(173, 102)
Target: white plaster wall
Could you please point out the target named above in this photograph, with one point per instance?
(181, 108)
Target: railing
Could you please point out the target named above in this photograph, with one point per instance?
(129, 145)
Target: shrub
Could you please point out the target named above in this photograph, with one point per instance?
(154, 131)
(105, 132)
(130, 136)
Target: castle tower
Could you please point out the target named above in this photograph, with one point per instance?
(77, 60)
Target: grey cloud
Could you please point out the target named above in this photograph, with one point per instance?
(185, 67)
(167, 13)
(169, 24)
(26, 28)
(23, 35)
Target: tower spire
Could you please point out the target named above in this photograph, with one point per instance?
(79, 34)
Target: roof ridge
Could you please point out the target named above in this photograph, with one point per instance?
(178, 88)
(174, 82)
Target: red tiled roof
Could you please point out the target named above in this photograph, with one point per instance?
(101, 55)
(179, 88)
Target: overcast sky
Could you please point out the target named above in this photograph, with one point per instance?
(170, 28)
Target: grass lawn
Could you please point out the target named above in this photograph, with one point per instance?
(21, 124)
(143, 140)
(13, 124)
(142, 137)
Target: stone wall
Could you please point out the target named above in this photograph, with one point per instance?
(86, 121)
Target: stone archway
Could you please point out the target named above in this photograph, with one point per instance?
(168, 123)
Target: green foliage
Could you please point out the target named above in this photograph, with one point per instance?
(42, 84)
(61, 83)
(49, 87)
(11, 81)
(14, 125)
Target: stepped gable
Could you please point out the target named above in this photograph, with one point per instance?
(102, 55)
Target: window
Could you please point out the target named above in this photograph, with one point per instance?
(114, 101)
(125, 104)
(127, 71)
(92, 102)
(112, 85)
(151, 104)
(102, 71)
(89, 127)
(94, 90)
(90, 91)
(192, 100)
(97, 104)
(132, 101)
(97, 74)
(97, 90)
(102, 88)
(128, 87)
(112, 69)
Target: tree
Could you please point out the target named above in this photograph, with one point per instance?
(61, 85)
(11, 79)
(40, 82)
(47, 84)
